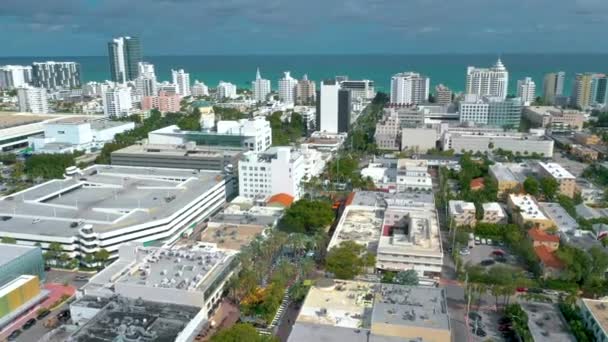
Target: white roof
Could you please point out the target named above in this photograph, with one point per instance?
(556, 170)
(528, 206)
(457, 207)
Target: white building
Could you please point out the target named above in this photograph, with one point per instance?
(96, 89)
(526, 90)
(473, 109)
(103, 206)
(256, 135)
(199, 89)
(410, 238)
(226, 90)
(466, 140)
(15, 76)
(493, 212)
(420, 139)
(117, 102)
(413, 174)
(409, 88)
(260, 87)
(492, 81)
(146, 83)
(33, 100)
(182, 80)
(277, 170)
(287, 88)
(388, 132)
(490, 110)
(333, 108)
(77, 134)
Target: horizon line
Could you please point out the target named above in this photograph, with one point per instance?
(329, 54)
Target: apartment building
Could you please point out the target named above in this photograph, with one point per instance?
(567, 181)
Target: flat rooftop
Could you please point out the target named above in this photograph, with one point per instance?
(13, 119)
(599, 310)
(231, 236)
(423, 307)
(556, 171)
(459, 207)
(338, 303)
(419, 237)
(359, 225)
(10, 252)
(107, 197)
(493, 207)
(509, 172)
(380, 199)
(306, 332)
(125, 319)
(529, 210)
(183, 268)
(546, 323)
(246, 214)
(190, 151)
(559, 216)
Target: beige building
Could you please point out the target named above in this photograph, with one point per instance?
(557, 119)
(595, 316)
(494, 213)
(567, 182)
(587, 139)
(388, 133)
(526, 211)
(419, 139)
(462, 213)
(508, 177)
(583, 152)
(541, 238)
(581, 93)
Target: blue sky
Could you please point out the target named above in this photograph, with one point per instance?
(172, 27)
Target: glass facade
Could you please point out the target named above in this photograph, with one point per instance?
(30, 263)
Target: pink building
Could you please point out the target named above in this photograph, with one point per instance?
(164, 102)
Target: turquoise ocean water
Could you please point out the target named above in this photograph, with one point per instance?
(448, 69)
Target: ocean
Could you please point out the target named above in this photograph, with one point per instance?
(449, 69)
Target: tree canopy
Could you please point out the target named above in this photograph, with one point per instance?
(409, 277)
(307, 216)
(49, 166)
(288, 131)
(348, 260)
(531, 186)
(549, 186)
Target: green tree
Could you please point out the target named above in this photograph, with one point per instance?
(549, 186)
(409, 277)
(241, 332)
(348, 260)
(532, 186)
(102, 256)
(307, 216)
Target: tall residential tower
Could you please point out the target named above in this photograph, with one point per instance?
(409, 88)
(260, 87)
(125, 55)
(492, 81)
(553, 86)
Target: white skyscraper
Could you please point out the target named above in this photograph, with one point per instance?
(15, 76)
(488, 82)
(32, 100)
(226, 90)
(145, 83)
(333, 108)
(182, 80)
(117, 101)
(199, 89)
(526, 90)
(287, 88)
(409, 88)
(260, 87)
(54, 75)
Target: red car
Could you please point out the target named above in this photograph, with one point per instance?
(522, 289)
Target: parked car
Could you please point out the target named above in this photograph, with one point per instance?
(477, 241)
(30, 322)
(487, 262)
(81, 278)
(551, 292)
(43, 314)
(521, 289)
(480, 332)
(465, 251)
(13, 336)
(500, 259)
(484, 241)
(64, 315)
(489, 241)
(535, 290)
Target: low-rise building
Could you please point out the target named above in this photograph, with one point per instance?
(388, 133)
(164, 102)
(584, 153)
(463, 140)
(587, 139)
(564, 223)
(595, 315)
(413, 174)
(554, 118)
(550, 264)
(526, 211)
(509, 177)
(186, 156)
(546, 322)
(77, 134)
(462, 213)
(541, 238)
(277, 170)
(494, 213)
(420, 139)
(567, 181)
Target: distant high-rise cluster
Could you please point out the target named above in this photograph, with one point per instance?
(526, 90)
(553, 86)
(287, 88)
(182, 81)
(56, 75)
(590, 89)
(125, 54)
(492, 81)
(305, 91)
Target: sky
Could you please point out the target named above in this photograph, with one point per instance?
(179, 27)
